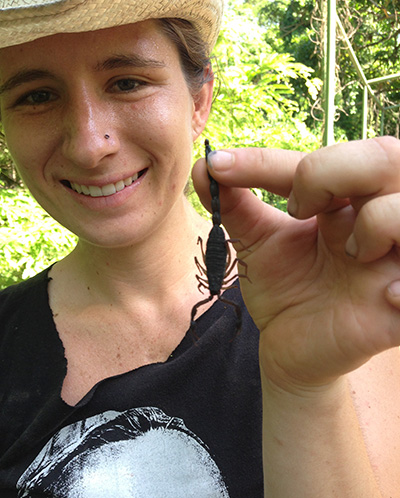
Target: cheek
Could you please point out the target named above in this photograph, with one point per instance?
(30, 161)
(168, 113)
(19, 146)
(165, 130)
(29, 149)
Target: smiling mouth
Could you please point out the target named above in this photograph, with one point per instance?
(106, 190)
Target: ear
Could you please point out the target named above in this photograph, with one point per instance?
(201, 108)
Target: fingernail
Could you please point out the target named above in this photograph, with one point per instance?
(394, 288)
(292, 206)
(351, 246)
(220, 161)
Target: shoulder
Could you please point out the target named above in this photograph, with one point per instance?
(24, 299)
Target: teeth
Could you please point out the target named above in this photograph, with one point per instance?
(109, 189)
(77, 187)
(95, 191)
(119, 185)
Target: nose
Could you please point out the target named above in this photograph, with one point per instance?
(89, 134)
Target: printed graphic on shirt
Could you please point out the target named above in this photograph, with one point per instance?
(139, 453)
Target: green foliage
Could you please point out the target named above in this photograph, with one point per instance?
(296, 27)
(254, 104)
(373, 29)
(30, 240)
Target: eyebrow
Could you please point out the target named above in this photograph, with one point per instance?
(114, 62)
(24, 76)
(132, 60)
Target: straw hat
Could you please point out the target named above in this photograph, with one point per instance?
(26, 20)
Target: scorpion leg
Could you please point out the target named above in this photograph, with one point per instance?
(202, 283)
(238, 312)
(192, 327)
(240, 261)
(201, 268)
(242, 275)
(200, 241)
(230, 266)
(238, 241)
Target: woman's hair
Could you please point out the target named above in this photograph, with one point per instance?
(193, 52)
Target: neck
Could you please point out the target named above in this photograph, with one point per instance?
(163, 262)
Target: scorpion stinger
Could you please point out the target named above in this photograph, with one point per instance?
(215, 276)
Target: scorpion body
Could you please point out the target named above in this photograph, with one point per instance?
(215, 275)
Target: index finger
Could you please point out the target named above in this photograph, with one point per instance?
(358, 171)
(270, 169)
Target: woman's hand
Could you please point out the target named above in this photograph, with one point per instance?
(319, 291)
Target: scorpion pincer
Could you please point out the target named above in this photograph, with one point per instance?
(216, 276)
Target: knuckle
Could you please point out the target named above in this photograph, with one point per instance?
(261, 161)
(389, 153)
(308, 168)
(376, 216)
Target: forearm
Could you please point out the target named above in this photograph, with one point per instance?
(313, 446)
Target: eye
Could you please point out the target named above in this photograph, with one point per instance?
(126, 85)
(36, 97)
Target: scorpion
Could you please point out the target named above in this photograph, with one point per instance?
(215, 276)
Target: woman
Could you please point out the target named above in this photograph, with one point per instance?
(104, 392)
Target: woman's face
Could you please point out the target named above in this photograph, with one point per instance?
(101, 127)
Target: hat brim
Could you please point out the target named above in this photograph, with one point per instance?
(23, 22)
